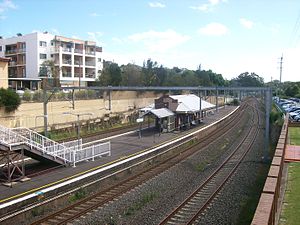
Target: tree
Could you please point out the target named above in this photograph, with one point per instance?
(148, 73)
(49, 70)
(131, 75)
(111, 74)
(9, 99)
(292, 90)
(248, 80)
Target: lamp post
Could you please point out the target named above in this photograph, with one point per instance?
(78, 125)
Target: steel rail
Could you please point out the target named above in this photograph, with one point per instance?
(177, 215)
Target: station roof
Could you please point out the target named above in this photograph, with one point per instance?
(190, 103)
(162, 113)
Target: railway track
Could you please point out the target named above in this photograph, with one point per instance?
(101, 198)
(194, 205)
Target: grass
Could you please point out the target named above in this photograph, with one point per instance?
(294, 134)
(147, 198)
(77, 195)
(290, 214)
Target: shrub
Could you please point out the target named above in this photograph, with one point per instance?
(9, 99)
(27, 96)
(38, 96)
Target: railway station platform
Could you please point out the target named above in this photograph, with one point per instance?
(123, 146)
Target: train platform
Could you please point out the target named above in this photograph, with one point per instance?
(123, 146)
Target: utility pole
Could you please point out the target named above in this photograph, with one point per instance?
(281, 61)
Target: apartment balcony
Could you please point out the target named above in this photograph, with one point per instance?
(89, 75)
(11, 52)
(78, 74)
(87, 63)
(79, 51)
(21, 50)
(68, 50)
(12, 63)
(67, 74)
(67, 61)
(12, 75)
(78, 63)
(90, 53)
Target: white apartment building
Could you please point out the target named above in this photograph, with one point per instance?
(77, 61)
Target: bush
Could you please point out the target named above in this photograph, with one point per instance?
(38, 96)
(9, 99)
(27, 96)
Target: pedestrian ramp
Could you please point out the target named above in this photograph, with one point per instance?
(38, 146)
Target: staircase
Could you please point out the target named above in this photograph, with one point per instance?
(35, 143)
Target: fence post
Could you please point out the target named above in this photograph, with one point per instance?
(74, 151)
(93, 153)
(109, 154)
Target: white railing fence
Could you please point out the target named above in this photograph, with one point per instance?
(69, 152)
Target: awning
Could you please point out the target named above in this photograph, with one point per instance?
(162, 113)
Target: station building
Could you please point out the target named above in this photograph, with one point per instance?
(176, 112)
(77, 61)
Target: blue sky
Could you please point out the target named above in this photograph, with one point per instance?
(227, 36)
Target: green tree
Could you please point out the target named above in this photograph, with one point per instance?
(248, 80)
(149, 77)
(131, 75)
(51, 72)
(111, 74)
(292, 90)
(9, 99)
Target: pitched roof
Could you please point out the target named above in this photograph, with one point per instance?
(190, 103)
(161, 113)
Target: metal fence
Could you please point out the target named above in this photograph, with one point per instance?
(69, 152)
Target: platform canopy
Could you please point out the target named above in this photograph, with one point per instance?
(161, 113)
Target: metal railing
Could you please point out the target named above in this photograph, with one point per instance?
(68, 152)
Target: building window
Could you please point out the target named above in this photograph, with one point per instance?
(0, 48)
(43, 44)
(51, 55)
(99, 59)
(52, 43)
(43, 56)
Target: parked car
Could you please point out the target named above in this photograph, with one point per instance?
(295, 113)
(293, 109)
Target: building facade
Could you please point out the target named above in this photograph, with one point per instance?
(77, 61)
(4, 72)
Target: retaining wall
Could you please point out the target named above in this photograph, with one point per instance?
(268, 207)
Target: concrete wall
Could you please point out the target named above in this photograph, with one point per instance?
(30, 114)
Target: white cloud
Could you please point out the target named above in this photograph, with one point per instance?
(208, 6)
(214, 29)
(94, 14)
(246, 23)
(156, 41)
(156, 5)
(95, 36)
(7, 4)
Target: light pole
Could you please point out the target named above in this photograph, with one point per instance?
(78, 125)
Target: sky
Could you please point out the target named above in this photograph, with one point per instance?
(227, 36)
